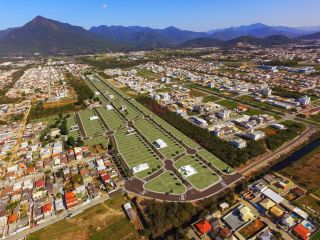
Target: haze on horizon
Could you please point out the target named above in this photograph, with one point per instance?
(197, 15)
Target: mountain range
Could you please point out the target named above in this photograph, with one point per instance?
(47, 37)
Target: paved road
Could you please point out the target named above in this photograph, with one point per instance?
(268, 158)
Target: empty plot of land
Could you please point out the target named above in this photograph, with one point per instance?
(135, 152)
(92, 127)
(222, 166)
(190, 143)
(204, 176)
(166, 183)
(71, 121)
(103, 140)
(152, 133)
(111, 118)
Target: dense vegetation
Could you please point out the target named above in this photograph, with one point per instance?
(166, 220)
(222, 149)
(282, 136)
(288, 63)
(81, 88)
(83, 93)
(282, 92)
(15, 77)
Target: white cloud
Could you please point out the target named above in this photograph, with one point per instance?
(104, 5)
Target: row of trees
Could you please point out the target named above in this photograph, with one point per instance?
(81, 88)
(222, 149)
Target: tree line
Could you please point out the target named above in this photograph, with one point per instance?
(222, 149)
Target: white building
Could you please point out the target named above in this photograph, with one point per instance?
(140, 167)
(159, 143)
(93, 118)
(224, 114)
(305, 100)
(238, 143)
(199, 121)
(255, 135)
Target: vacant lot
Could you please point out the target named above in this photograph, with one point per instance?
(135, 152)
(306, 171)
(204, 177)
(103, 221)
(210, 98)
(228, 104)
(166, 183)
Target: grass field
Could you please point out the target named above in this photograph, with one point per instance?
(91, 127)
(222, 166)
(204, 177)
(228, 104)
(148, 74)
(103, 140)
(135, 151)
(210, 98)
(71, 121)
(307, 202)
(109, 223)
(59, 103)
(196, 93)
(152, 133)
(111, 118)
(190, 143)
(305, 171)
(50, 120)
(166, 183)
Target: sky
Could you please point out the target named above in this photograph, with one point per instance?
(196, 15)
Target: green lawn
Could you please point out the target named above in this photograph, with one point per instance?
(92, 128)
(204, 177)
(189, 142)
(71, 121)
(210, 98)
(135, 151)
(112, 118)
(228, 104)
(97, 140)
(50, 119)
(152, 133)
(102, 221)
(219, 164)
(167, 182)
(316, 236)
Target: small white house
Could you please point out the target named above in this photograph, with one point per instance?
(93, 118)
(159, 143)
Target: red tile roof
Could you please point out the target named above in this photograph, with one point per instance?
(39, 183)
(203, 226)
(12, 218)
(301, 231)
(46, 208)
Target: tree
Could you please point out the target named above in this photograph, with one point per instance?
(71, 141)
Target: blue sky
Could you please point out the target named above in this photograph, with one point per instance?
(199, 15)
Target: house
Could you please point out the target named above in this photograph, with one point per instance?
(71, 199)
(39, 184)
(246, 214)
(301, 232)
(47, 209)
(54, 132)
(238, 143)
(255, 135)
(267, 203)
(203, 227)
(159, 143)
(223, 206)
(276, 212)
